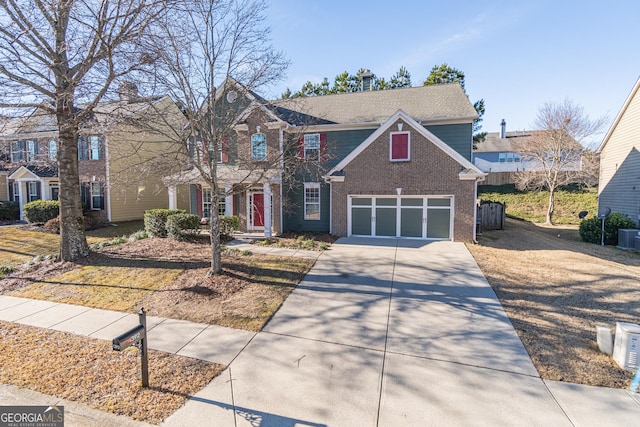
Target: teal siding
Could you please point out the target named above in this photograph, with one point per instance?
(341, 143)
(458, 136)
(294, 221)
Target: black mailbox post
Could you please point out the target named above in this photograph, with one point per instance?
(137, 337)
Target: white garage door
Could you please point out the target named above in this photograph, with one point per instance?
(420, 217)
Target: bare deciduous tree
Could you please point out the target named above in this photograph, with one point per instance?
(61, 57)
(211, 56)
(553, 154)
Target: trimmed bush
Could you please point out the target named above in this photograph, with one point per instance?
(155, 221)
(9, 211)
(229, 224)
(40, 211)
(183, 225)
(591, 228)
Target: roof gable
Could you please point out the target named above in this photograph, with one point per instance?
(469, 169)
(33, 172)
(630, 98)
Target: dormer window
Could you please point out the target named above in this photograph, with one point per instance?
(258, 147)
(399, 147)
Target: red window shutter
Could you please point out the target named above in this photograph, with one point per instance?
(199, 200)
(225, 149)
(301, 147)
(400, 146)
(205, 151)
(323, 147)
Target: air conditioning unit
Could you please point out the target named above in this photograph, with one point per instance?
(627, 237)
(627, 343)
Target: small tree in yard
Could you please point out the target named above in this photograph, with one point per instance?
(60, 58)
(210, 55)
(553, 152)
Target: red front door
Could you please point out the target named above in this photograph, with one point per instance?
(258, 209)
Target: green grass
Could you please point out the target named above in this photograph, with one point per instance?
(532, 206)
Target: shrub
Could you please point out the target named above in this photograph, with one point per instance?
(53, 225)
(138, 235)
(591, 228)
(229, 224)
(182, 225)
(9, 211)
(41, 211)
(155, 221)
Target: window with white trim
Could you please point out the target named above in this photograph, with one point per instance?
(89, 148)
(312, 201)
(207, 202)
(97, 198)
(32, 150)
(399, 146)
(53, 150)
(33, 188)
(508, 158)
(312, 146)
(258, 147)
(16, 191)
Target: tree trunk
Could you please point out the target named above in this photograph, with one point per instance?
(214, 229)
(552, 192)
(73, 242)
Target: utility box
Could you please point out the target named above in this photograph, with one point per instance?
(637, 243)
(627, 343)
(627, 238)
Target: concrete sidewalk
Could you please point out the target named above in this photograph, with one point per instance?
(379, 333)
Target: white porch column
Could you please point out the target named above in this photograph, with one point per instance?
(267, 209)
(228, 200)
(173, 197)
(21, 198)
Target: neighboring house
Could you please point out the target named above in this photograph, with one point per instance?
(502, 154)
(392, 163)
(112, 153)
(619, 186)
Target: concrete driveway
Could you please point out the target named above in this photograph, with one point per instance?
(383, 333)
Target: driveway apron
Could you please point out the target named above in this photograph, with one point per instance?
(383, 333)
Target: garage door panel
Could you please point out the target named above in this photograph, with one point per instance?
(361, 221)
(386, 222)
(410, 222)
(438, 223)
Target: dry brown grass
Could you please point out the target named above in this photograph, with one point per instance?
(88, 371)
(556, 289)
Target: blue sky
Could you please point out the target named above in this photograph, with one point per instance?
(516, 55)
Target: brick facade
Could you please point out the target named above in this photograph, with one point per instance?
(429, 172)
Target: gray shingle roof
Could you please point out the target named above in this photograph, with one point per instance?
(446, 101)
(513, 142)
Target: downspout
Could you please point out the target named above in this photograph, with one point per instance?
(475, 211)
(107, 178)
(281, 135)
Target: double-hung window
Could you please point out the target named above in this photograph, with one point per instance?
(32, 150)
(400, 147)
(89, 148)
(97, 198)
(258, 147)
(312, 200)
(312, 146)
(53, 150)
(34, 189)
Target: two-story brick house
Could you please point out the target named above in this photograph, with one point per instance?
(112, 149)
(392, 163)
